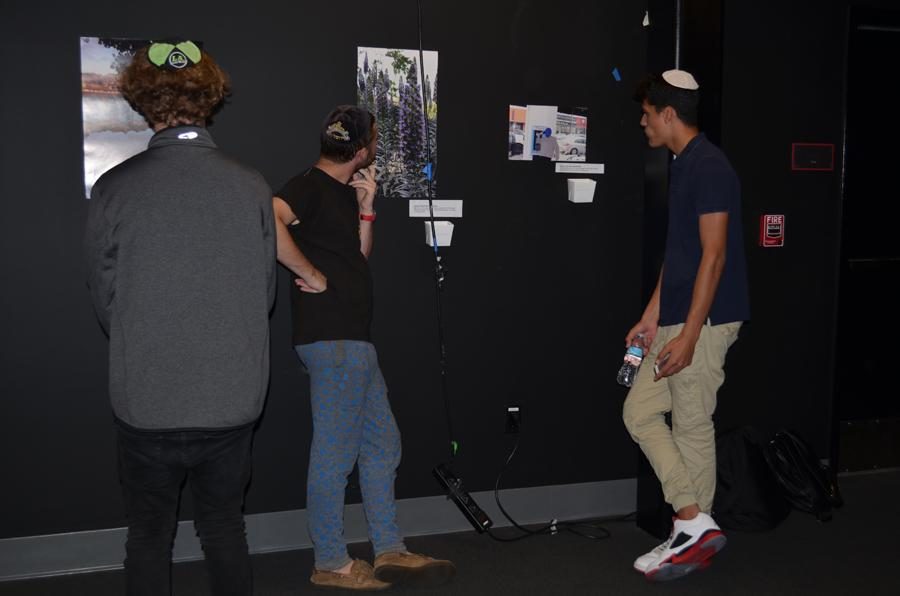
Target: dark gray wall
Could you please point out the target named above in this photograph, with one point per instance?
(770, 74)
(782, 81)
(539, 293)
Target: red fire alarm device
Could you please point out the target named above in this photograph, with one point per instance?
(771, 231)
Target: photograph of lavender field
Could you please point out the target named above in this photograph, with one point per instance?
(390, 83)
(113, 132)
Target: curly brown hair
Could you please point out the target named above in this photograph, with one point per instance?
(173, 98)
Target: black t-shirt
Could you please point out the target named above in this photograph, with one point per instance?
(328, 234)
(703, 181)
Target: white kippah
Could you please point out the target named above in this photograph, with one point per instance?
(681, 79)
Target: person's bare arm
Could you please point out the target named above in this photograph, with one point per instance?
(310, 278)
(679, 352)
(364, 183)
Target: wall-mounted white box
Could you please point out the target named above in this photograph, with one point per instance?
(442, 229)
(581, 190)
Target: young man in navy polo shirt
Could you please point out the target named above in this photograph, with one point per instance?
(692, 319)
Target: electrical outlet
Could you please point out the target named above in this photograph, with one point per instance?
(513, 420)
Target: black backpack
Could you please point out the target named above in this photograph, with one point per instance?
(748, 497)
(807, 483)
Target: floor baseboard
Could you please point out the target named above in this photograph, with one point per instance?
(101, 550)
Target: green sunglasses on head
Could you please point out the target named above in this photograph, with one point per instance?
(174, 56)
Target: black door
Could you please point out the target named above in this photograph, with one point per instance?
(868, 342)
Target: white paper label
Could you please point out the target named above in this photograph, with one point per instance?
(443, 208)
(569, 167)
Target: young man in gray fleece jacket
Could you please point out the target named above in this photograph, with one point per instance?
(181, 258)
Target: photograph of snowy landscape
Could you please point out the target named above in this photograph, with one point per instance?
(113, 132)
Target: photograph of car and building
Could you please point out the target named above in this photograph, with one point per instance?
(538, 132)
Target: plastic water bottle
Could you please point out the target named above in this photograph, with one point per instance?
(632, 361)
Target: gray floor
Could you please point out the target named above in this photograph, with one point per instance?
(856, 553)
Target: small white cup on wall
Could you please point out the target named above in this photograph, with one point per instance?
(581, 190)
(442, 229)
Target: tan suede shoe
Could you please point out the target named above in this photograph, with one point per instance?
(361, 577)
(414, 570)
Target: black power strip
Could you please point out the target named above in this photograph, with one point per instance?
(453, 485)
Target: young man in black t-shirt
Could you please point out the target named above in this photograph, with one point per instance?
(324, 220)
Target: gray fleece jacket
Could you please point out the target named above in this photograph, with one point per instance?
(180, 244)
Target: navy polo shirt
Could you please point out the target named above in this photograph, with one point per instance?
(701, 180)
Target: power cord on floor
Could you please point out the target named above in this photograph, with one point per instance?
(591, 528)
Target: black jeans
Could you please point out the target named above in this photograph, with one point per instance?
(152, 469)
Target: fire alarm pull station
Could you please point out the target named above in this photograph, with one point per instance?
(771, 231)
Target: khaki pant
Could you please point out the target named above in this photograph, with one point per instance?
(684, 456)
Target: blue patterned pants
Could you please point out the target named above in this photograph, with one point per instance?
(352, 423)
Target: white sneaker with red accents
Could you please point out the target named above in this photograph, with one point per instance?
(690, 547)
(644, 561)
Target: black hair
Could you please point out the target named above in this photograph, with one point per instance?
(660, 94)
(346, 130)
